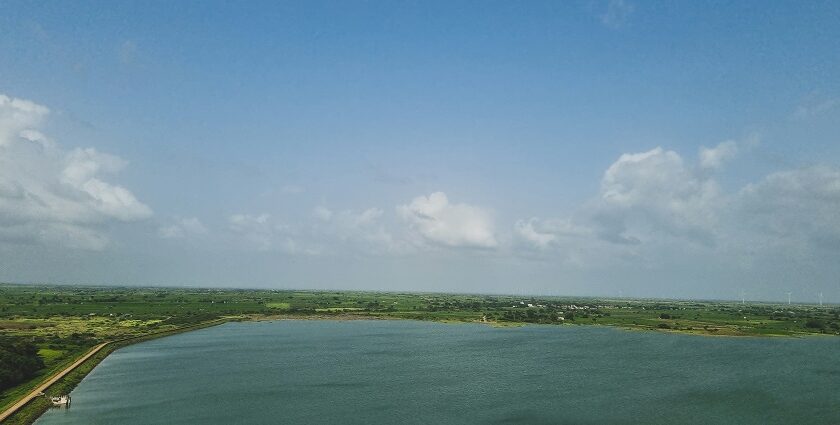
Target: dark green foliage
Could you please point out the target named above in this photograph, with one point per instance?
(815, 324)
(19, 360)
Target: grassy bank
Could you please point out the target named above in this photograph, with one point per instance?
(12, 395)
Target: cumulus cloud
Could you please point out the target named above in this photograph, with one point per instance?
(656, 191)
(643, 197)
(527, 230)
(715, 157)
(53, 196)
(182, 228)
(657, 210)
(802, 205)
(438, 221)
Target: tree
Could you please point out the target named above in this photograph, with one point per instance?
(18, 361)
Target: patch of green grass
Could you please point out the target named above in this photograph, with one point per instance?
(50, 355)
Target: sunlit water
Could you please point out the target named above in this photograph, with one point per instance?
(406, 372)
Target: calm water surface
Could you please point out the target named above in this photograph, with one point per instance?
(405, 372)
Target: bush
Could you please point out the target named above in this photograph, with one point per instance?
(665, 316)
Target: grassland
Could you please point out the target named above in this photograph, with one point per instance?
(66, 321)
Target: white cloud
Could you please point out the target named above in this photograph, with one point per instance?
(655, 211)
(713, 158)
(182, 228)
(54, 233)
(366, 227)
(18, 118)
(537, 237)
(360, 231)
(322, 213)
(543, 234)
(656, 191)
(801, 206)
(171, 232)
(815, 108)
(52, 196)
(350, 219)
(260, 231)
(456, 225)
(256, 229)
(645, 197)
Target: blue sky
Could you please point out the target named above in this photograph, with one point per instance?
(581, 148)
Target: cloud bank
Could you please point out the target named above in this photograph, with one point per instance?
(653, 210)
(52, 196)
(656, 205)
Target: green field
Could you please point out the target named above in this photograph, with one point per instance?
(63, 322)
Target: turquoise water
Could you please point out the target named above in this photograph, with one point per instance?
(406, 372)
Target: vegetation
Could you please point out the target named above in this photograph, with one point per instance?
(19, 360)
(48, 327)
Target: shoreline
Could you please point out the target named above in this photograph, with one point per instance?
(500, 325)
(39, 391)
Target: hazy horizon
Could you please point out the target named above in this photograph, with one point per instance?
(620, 296)
(593, 148)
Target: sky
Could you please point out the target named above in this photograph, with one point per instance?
(594, 148)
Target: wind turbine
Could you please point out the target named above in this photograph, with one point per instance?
(743, 297)
(820, 299)
(788, 298)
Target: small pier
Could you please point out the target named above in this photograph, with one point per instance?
(61, 401)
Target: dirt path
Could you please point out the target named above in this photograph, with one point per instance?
(35, 393)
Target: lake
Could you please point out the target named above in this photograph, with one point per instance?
(408, 372)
